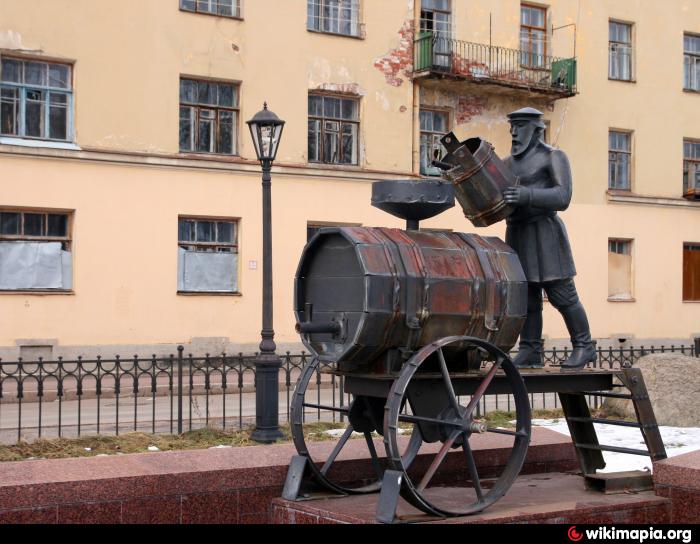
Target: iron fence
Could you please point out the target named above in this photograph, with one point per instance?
(71, 398)
(489, 63)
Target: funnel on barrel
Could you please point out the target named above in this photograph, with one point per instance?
(413, 200)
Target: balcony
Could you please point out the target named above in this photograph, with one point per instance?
(520, 71)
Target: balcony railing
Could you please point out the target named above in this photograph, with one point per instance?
(496, 65)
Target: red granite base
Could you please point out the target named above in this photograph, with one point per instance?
(232, 485)
(537, 498)
(678, 478)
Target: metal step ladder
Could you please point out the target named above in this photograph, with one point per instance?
(590, 451)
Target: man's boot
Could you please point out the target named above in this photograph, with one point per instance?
(530, 348)
(584, 349)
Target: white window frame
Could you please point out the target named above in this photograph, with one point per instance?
(620, 52)
(326, 16)
(23, 89)
(211, 7)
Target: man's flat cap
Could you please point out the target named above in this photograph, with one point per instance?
(527, 114)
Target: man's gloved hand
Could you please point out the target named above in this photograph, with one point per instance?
(517, 196)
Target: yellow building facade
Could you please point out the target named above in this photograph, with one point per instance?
(130, 198)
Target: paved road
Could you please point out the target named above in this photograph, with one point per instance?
(159, 414)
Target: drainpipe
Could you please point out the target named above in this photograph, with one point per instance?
(416, 94)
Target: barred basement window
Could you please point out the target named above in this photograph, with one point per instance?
(433, 126)
(207, 255)
(225, 8)
(35, 251)
(691, 62)
(334, 127)
(208, 117)
(619, 160)
(620, 51)
(36, 99)
(334, 16)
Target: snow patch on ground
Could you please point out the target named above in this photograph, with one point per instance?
(337, 433)
(678, 440)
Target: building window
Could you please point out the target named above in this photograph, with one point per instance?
(225, 8)
(433, 126)
(207, 255)
(436, 19)
(533, 36)
(691, 169)
(36, 99)
(312, 227)
(334, 16)
(333, 129)
(35, 251)
(691, 62)
(620, 51)
(620, 160)
(619, 269)
(208, 117)
(691, 272)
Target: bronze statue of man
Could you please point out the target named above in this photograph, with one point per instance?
(539, 237)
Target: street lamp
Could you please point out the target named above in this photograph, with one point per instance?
(266, 130)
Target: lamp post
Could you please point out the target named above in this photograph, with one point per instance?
(266, 130)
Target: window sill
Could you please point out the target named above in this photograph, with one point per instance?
(205, 155)
(622, 80)
(339, 34)
(691, 302)
(628, 197)
(40, 292)
(334, 166)
(208, 294)
(691, 91)
(47, 144)
(622, 299)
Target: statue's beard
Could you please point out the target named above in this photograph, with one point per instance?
(518, 148)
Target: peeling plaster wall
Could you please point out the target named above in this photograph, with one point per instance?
(399, 61)
(474, 113)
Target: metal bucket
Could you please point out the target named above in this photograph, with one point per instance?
(479, 178)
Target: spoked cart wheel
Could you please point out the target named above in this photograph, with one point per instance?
(432, 393)
(364, 415)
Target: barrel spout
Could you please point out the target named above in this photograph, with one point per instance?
(330, 327)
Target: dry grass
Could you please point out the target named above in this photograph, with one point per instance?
(92, 446)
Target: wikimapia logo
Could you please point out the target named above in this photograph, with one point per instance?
(637, 535)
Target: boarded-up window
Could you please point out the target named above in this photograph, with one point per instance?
(207, 256)
(35, 251)
(691, 272)
(619, 269)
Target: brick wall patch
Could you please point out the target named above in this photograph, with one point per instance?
(399, 61)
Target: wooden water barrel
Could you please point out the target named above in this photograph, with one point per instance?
(479, 177)
(363, 294)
